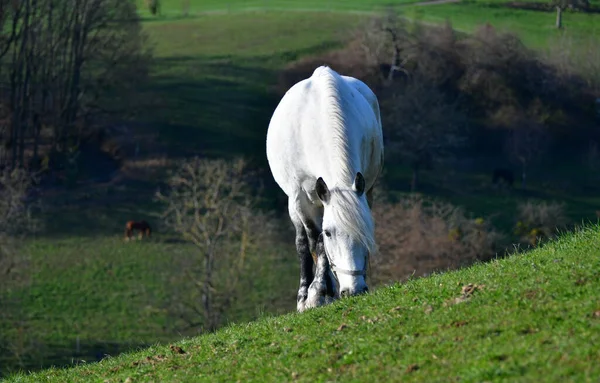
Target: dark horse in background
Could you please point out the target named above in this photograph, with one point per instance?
(142, 227)
(505, 175)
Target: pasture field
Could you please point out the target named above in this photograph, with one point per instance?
(527, 318)
(93, 296)
(211, 94)
(535, 28)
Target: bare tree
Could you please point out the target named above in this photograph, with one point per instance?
(209, 203)
(185, 7)
(421, 125)
(562, 5)
(16, 219)
(417, 235)
(401, 48)
(61, 59)
(16, 223)
(154, 7)
(526, 143)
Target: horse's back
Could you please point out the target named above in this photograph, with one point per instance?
(299, 139)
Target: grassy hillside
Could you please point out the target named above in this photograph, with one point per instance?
(535, 28)
(90, 296)
(530, 317)
(210, 94)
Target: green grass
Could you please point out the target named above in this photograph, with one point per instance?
(214, 75)
(535, 318)
(211, 94)
(173, 8)
(113, 296)
(536, 29)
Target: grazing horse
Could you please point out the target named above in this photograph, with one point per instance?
(142, 227)
(325, 151)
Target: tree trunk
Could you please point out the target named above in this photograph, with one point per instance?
(523, 177)
(207, 299)
(558, 17)
(415, 179)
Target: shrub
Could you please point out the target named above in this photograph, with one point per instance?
(419, 236)
(539, 221)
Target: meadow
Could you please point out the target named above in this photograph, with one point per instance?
(211, 93)
(531, 317)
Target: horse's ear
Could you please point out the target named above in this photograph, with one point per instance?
(359, 184)
(322, 190)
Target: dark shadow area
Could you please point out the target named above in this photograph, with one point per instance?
(65, 356)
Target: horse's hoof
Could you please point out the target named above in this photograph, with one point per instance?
(317, 296)
(301, 300)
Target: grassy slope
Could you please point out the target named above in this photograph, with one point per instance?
(535, 28)
(115, 296)
(535, 318)
(174, 8)
(212, 84)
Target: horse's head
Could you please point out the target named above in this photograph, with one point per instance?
(348, 234)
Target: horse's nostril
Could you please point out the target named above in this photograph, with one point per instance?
(344, 293)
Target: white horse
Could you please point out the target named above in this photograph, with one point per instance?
(325, 149)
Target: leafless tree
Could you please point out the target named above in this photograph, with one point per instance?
(17, 221)
(422, 126)
(154, 7)
(562, 5)
(526, 143)
(209, 202)
(417, 235)
(16, 218)
(60, 61)
(185, 5)
(405, 48)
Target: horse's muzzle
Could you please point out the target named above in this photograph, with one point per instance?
(348, 293)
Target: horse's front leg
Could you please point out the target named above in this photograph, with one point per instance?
(306, 266)
(323, 289)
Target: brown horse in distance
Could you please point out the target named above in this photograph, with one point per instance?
(142, 227)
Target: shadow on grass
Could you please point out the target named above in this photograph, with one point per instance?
(64, 356)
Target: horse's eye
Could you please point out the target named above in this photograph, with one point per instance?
(328, 233)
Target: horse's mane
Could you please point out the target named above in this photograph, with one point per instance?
(354, 217)
(331, 84)
(350, 213)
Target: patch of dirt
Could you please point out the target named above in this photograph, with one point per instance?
(531, 294)
(459, 323)
(467, 292)
(176, 349)
(150, 360)
(412, 368)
